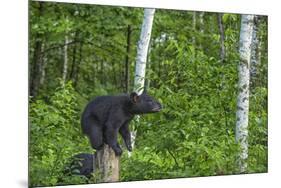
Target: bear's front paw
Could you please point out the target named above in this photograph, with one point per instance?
(118, 151)
(129, 148)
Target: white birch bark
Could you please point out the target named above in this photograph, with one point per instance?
(65, 62)
(193, 37)
(255, 51)
(221, 32)
(142, 50)
(142, 53)
(201, 22)
(243, 90)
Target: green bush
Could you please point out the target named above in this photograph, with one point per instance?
(55, 136)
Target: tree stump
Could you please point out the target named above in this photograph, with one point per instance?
(107, 164)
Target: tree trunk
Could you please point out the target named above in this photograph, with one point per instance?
(142, 53)
(221, 32)
(142, 50)
(243, 90)
(255, 51)
(65, 62)
(108, 164)
(36, 60)
(194, 28)
(147, 81)
(193, 37)
(148, 67)
(43, 67)
(201, 22)
(36, 69)
(74, 61)
(127, 61)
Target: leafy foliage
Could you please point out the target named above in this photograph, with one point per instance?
(55, 136)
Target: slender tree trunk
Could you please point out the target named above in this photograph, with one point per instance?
(36, 69)
(194, 28)
(127, 61)
(147, 81)
(193, 37)
(65, 59)
(36, 60)
(142, 53)
(142, 50)
(74, 60)
(43, 67)
(201, 21)
(43, 71)
(257, 78)
(221, 32)
(243, 89)
(255, 51)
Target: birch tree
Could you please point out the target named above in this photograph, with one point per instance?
(74, 59)
(201, 20)
(194, 28)
(193, 37)
(65, 59)
(243, 89)
(255, 51)
(142, 52)
(221, 32)
(201, 28)
(43, 67)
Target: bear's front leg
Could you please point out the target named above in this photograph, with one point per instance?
(111, 139)
(126, 135)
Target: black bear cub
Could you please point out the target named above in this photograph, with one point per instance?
(105, 116)
(80, 164)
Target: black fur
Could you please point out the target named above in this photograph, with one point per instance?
(81, 164)
(105, 116)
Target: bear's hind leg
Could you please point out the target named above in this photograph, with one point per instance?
(96, 137)
(111, 140)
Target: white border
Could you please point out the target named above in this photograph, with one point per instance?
(258, 7)
(13, 78)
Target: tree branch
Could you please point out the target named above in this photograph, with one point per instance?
(173, 157)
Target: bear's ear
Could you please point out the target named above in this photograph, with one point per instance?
(134, 97)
